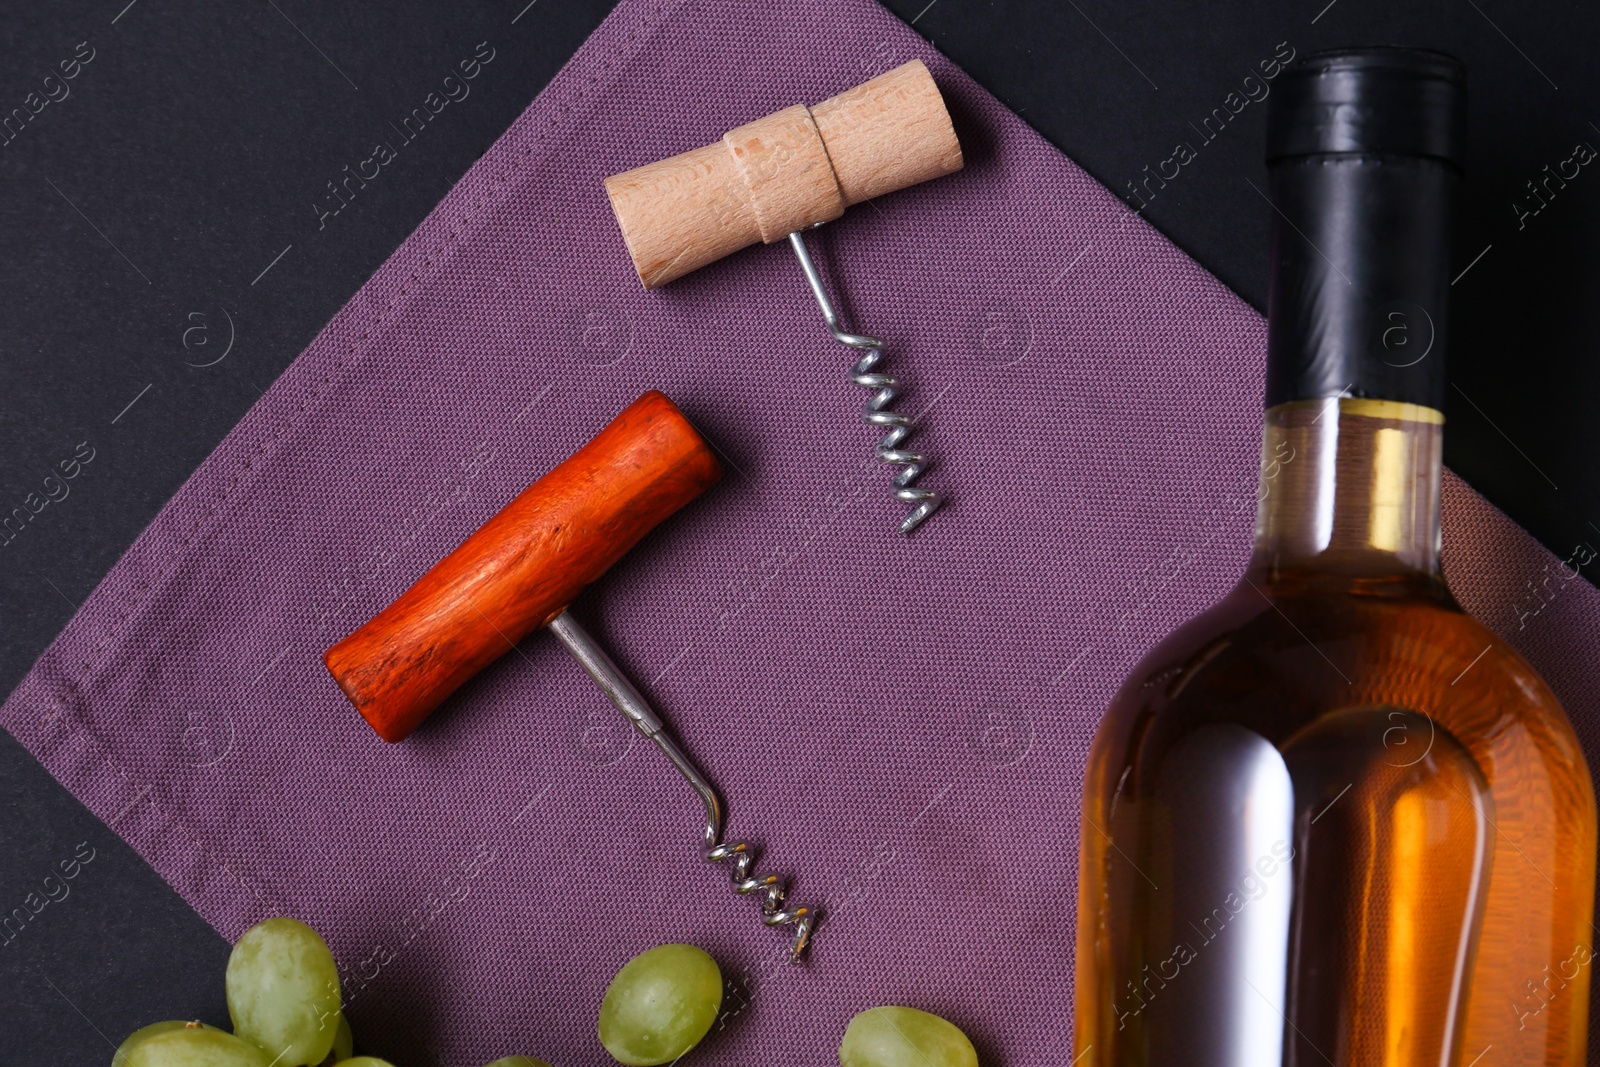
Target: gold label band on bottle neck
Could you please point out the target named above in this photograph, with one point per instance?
(1396, 410)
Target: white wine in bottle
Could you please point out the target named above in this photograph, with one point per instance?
(1334, 820)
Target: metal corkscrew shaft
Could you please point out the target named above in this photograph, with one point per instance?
(877, 412)
(631, 703)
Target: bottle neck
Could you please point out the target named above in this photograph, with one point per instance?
(1349, 486)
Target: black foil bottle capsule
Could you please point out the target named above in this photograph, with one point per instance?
(1335, 820)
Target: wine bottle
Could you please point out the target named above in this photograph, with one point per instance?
(1334, 820)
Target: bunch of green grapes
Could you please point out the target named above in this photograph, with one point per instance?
(664, 1001)
(283, 997)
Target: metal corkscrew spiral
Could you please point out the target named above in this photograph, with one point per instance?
(628, 700)
(877, 410)
(773, 892)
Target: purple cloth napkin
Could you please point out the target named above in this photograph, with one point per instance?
(902, 725)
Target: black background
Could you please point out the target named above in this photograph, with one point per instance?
(161, 215)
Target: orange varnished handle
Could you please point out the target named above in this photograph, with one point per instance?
(522, 567)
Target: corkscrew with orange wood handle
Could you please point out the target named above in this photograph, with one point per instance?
(519, 572)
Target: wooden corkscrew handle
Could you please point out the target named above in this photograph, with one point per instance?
(786, 172)
(523, 566)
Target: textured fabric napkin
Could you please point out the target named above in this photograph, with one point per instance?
(902, 725)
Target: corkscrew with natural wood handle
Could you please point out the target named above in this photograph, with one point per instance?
(775, 178)
(519, 572)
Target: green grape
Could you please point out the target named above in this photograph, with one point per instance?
(904, 1037)
(283, 992)
(193, 1047)
(363, 1061)
(660, 1005)
(344, 1044)
(517, 1061)
(120, 1057)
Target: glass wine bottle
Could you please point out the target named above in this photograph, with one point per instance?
(1334, 820)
